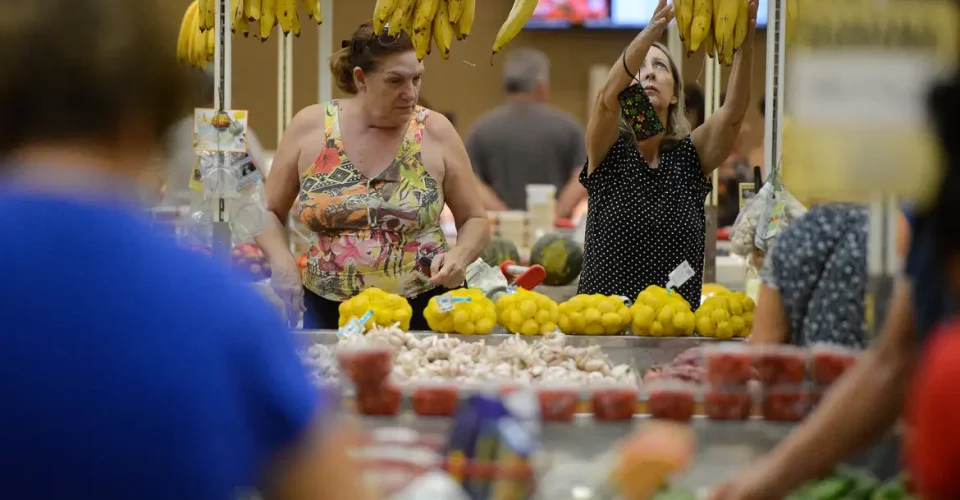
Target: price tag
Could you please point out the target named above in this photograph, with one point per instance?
(679, 276)
(446, 302)
(354, 327)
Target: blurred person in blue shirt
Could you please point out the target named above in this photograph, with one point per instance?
(130, 369)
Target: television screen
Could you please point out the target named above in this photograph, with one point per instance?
(609, 14)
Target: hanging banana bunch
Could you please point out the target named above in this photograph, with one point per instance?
(426, 22)
(719, 26)
(521, 12)
(196, 43)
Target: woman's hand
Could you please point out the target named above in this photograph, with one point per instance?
(448, 270)
(751, 485)
(287, 284)
(662, 16)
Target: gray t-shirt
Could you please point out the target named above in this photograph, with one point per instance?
(524, 143)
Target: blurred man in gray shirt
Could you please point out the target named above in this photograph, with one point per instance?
(526, 141)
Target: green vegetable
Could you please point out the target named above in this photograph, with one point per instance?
(834, 488)
(674, 494)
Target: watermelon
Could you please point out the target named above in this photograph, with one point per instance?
(560, 256)
(500, 250)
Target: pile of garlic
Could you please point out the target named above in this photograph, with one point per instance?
(546, 359)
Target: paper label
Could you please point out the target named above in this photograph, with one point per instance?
(679, 276)
(354, 327)
(747, 191)
(446, 302)
(249, 173)
(220, 131)
(196, 183)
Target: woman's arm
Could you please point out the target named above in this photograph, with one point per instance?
(603, 129)
(282, 186)
(463, 197)
(770, 324)
(715, 138)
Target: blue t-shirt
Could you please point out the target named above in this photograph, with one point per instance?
(932, 301)
(130, 369)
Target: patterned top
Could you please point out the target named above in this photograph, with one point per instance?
(644, 222)
(370, 232)
(819, 265)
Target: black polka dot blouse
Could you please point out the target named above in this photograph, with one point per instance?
(643, 222)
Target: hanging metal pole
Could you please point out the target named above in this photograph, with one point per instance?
(326, 48)
(284, 84)
(222, 239)
(776, 57)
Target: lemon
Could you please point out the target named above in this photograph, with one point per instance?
(466, 329)
(528, 309)
(548, 327)
(610, 320)
(593, 329)
(605, 306)
(591, 315)
(705, 326)
(735, 307)
(748, 319)
(656, 329)
(666, 315)
(564, 323)
(577, 322)
(724, 332)
(543, 316)
(737, 324)
(719, 315)
(484, 326)
(643, 316)
(529, 327)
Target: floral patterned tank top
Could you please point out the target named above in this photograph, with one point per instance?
(370, 232)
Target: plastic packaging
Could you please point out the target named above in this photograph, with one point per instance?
(780, 364)
(614, 401)
(830, 362)
(558, 402)
(435, 399)
(379, 401)
(786, 403)
(367, 366)
(671, 400)
(728, 364)
(727, 403)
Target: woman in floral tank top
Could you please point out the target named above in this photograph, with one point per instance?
(371, 174)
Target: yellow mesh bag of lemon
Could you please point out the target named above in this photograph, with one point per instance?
(466, 311)
(386, 308)
(527, 313)
(725, 316)
(595, 314)
(658, 313)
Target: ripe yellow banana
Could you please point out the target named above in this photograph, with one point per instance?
(381, 13)
(203, 6)
(455, 9)
(701, 24)
(401, 17)
(724, 23)
(251, 8)
(710, 45)
(210, 20)
(443, 30)
(519, 15)
(421, 42)
(211, 46)
(187, 25)
(683, 10)
(741, 25)
(285, 10)
(295, 23)
(236, 12)
(424, 14)
(464, 25)
(312, 8)
(268, 18)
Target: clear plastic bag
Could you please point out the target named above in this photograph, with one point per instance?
(759, 223)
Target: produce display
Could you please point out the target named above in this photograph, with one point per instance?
(615, 403)
(686, 367)
(671, 400)
(725, 316)
(719, 26)
(196, 42)
(594, 315)
(659, 313)
(439, 358)
(500, 250)
(847, 483)
(466, 311)
(376, 307)
(527, 313)
(560, 256)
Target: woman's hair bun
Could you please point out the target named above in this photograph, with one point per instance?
(364, 50)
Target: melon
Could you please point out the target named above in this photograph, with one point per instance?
(500, 250)
(560, 256)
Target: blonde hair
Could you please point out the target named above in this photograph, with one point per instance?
(677, 126)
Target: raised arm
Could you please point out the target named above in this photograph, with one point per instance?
(463, 198)
(603, 129)
(715, 138)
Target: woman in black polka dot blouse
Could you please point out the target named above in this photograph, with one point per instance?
(646, 197)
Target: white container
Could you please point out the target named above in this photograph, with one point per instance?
(512, 226)
(541, 209)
